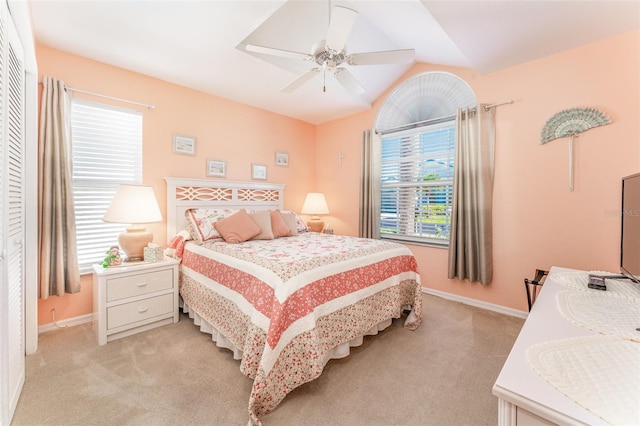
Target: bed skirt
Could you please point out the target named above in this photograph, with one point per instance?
(340, 351)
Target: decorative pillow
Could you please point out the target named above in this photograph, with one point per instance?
(193, 232)
(290, 220)
(175, 247)
(237, 228)
(300, 225)
(200, 222)
(278, 225)
(263, 220)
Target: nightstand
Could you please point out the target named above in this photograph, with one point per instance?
(134, 297)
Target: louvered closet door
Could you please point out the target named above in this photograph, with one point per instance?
(12, 215)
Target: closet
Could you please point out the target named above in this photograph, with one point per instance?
(14, 220)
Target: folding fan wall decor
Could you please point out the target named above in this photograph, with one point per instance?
(570, 123)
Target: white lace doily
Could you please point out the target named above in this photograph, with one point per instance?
(602, 312)
(580, 279)
(599, 373)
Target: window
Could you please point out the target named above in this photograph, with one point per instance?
(417, 183)
(107, 151)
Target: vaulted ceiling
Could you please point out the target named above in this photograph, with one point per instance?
(201, 44)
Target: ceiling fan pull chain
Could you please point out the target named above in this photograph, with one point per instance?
(324, 80)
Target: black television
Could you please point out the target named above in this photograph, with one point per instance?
(630, 235)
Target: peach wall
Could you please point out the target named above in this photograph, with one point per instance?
(538, 223)
(225, 130)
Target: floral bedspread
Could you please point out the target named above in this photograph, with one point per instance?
(286, 302)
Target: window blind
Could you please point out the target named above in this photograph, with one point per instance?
(107, 151)
(417, 183)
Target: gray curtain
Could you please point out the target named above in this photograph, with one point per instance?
(370, 185)
(471, 243)
(59, 272)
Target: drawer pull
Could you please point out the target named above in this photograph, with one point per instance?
(144, 283)
(142, 309)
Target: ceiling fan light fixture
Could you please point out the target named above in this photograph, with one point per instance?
(330, 54)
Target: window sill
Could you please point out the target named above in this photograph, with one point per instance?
(417, 242)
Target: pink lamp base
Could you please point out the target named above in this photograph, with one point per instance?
(316, 225)
(133, 242)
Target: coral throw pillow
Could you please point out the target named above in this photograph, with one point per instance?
(237, 228)
(278, 225)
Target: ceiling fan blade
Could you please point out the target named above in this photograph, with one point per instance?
(342, 20)
(300, 81)
(404, 56)
(348, 81)
(277, 52)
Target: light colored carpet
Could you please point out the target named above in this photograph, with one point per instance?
(440, 374)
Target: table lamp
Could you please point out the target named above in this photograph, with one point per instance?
(315, 205)
(135, 205)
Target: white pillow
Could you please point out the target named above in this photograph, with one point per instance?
(200, 222)
(300, 225)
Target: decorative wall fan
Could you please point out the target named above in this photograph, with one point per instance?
(570, 123)
(329, 55)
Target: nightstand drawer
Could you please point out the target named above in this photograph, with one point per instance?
(132, 312)
(134, 298)
(138, 284)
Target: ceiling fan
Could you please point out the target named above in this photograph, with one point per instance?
(329, 55)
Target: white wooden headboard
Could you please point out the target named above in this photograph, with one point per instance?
(185, 193)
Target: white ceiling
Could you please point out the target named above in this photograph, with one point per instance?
(198, 44)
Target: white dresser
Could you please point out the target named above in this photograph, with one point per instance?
(524, 390)
(134, 297)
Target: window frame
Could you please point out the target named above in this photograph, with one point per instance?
(106, 146)
(449, 124)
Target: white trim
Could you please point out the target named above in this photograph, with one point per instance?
(69, 322)
(31, 271)
(21, 16)
(477, 303)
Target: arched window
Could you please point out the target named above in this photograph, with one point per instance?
(416, 124)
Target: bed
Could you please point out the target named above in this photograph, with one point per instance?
(283, 305)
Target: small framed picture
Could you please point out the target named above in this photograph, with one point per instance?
(216, 168)
(282, 159)
(258, 171)
(185, 145)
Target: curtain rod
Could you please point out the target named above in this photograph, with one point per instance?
(430, 120)
(488, 107)
(86, 92)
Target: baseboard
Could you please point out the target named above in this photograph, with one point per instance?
(477, 303)
(83, 319)
(69, 322)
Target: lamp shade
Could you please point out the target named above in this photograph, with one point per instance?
(136, 205)
(133, 204)
(315, 204)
